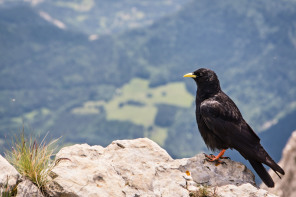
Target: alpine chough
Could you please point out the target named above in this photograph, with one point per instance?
(222, 126)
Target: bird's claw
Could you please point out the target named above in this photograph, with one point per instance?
(210, 156)
(218, 162)
(213, 158)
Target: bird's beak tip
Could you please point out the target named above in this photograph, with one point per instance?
(190, 75)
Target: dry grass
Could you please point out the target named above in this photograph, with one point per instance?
(32, 160)
(7, 191)
(204, 191)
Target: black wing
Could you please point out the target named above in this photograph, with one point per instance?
(226, 122)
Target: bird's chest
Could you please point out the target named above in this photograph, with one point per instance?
(211, 140)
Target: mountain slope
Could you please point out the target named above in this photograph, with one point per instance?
(47, 72)
(100, 16)
(249, 45)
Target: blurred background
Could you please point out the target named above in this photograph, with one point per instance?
(97, 71)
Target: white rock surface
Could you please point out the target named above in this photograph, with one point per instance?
(244, 190)
(8, 174)
(286, 187)
(27, 189)
(141, 168)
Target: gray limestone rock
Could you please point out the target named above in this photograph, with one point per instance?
(140, 167)
(9, 177)
(27, 189)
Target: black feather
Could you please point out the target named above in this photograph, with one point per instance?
(262, 173)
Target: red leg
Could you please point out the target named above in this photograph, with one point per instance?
(217, 158)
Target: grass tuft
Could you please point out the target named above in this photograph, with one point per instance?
(32, 160)
(204, 191)
(7, 191)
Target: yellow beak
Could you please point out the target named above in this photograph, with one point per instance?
(190, 75)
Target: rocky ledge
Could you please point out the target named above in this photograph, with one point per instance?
(286, 186)
(137, 168)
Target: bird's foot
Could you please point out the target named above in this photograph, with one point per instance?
(210, 157)
(213, 158)
(216, 159)
(218, 162)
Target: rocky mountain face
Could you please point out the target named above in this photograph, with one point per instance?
(286, 186)
(136, 167)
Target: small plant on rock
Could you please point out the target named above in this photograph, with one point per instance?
(32, 160)
(204, 191)
(7, 191)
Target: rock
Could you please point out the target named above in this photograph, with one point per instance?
(9, 177)
(8, 174)
(286, 186)
(204, 172)
(244, 190)
(140, 167)
(27, 189)
(124, 168)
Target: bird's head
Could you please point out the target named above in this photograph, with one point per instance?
(205, 78)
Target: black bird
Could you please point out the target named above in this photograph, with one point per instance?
(222, 126)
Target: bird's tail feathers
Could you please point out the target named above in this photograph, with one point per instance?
(274, 166)
(264, 157)
(263, 174)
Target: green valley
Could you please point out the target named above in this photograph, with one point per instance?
(125, 81)
(137, 102)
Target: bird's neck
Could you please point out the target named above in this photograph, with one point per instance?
(208, 91)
